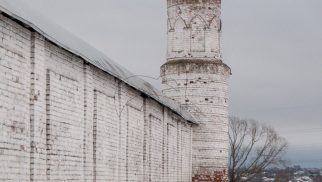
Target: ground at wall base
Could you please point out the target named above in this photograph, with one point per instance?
(217, 176)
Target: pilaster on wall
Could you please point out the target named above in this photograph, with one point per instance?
(38, 118)
(88, 123)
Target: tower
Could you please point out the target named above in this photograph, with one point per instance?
(196, 77)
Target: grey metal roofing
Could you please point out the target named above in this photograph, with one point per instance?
(53, 32)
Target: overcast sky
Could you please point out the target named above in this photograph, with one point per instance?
(274, 48)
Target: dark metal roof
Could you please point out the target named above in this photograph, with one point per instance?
(53, 32)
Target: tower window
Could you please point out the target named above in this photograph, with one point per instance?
(206, 99)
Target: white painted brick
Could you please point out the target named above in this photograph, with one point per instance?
(14, 105)
(194, 29)
(62, 119)
(196, 77)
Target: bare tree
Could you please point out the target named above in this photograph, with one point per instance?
(253, 148)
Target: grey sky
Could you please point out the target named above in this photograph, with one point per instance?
(274, 48)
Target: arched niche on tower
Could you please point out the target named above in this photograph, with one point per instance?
(197, 35)
(178, 34)
(212, 37)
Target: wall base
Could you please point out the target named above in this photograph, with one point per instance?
(215, 176)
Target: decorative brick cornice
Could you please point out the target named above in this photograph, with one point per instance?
(177, 2)
(195, 66)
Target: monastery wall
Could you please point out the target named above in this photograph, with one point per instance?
(62, 119)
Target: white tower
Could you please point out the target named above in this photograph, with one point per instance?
(196, 77)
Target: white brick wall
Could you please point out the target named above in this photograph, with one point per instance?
(105, 137)
(64, 129)
(62, 119)
(14, 101)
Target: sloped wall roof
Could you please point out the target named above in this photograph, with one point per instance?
(53, 32)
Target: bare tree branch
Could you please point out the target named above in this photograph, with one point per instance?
(253, 148)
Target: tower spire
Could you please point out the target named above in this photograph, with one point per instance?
(196, 77)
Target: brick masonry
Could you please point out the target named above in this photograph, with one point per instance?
(194, 29)
(196, 77)
(62, 119)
